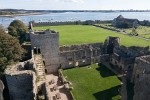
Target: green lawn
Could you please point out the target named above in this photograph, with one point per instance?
(147, 36)
(78, 34)
(140, 30)
(96, 83)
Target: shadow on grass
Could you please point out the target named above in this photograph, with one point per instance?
(108, 94)
(104, 71)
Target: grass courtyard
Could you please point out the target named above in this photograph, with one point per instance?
(79, 34)
(95, 83)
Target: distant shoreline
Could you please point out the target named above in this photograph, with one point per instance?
(25, 14)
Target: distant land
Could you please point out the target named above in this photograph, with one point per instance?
(22, 12)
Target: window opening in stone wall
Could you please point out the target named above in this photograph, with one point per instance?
(46, 71)
(39, 51)
(35, 51)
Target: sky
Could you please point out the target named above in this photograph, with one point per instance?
(76, 4)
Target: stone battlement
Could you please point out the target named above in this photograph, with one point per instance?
(44, 32)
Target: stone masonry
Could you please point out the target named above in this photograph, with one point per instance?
(21, 81)
(47, 43)
(80, 55)
(141, 78)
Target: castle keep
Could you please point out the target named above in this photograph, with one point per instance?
(22, 77)
(47, 44)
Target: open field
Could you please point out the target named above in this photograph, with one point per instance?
(95, 83)
(143, 31)
(79, 34)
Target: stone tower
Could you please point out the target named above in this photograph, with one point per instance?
(110, 43)
(46, 43)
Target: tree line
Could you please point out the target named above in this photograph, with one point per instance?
(11, 50)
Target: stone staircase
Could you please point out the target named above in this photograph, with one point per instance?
(39, 69)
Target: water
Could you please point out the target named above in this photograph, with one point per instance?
(74, 16)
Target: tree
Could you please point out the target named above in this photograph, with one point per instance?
(18, 29)
(10, 49)
(134, 32)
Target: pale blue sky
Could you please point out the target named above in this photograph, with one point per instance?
(76, 4)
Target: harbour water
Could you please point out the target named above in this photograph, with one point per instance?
(74, 16)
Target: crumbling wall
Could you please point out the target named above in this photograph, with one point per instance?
(141, 88)
(80, 55)
(132, 51)
(21, 86)
(141, 78)
(21, 81)
(124, 57)
(110, 43)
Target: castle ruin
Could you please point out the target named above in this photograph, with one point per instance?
(21, 78)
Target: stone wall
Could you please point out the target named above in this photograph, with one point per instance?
(46, 43)
(21, 81)
(141, 78)
(87, 22)
(124, 57)
(110, 43)
(80, 55)
(55, 23)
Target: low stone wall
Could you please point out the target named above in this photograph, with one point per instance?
(112, 29)
(87, 22)
(66, 82)
(55, 23)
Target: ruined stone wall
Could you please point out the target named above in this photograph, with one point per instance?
(141, 66)
(132, 51)
(124, 57)
(110, 43)
(21, 86)
(47, 43)
(141, 78)
(21, 81)
(80, 55)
